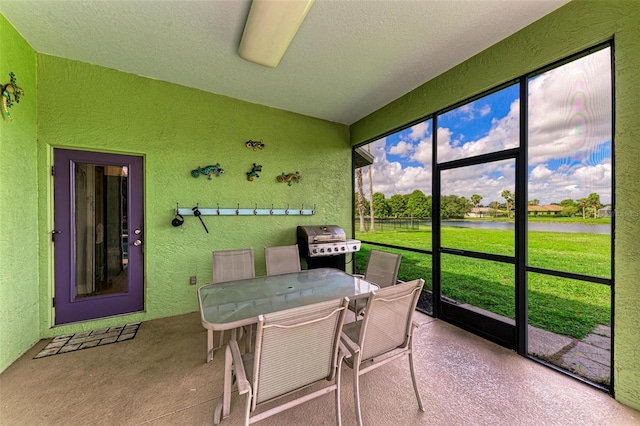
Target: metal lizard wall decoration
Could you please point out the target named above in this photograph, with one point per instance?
(291, 177)
(208, 171)
(254, 172)
(7, 90)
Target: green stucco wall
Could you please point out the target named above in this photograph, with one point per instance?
(18, 202)
(570, 29)
(177, 129)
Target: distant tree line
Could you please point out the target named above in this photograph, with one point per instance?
(419, 205)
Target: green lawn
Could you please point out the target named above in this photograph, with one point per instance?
(559, 305)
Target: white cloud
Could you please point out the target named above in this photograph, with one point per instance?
(504, 134)
(402, 149)
(423, 152)
(570, 109)
(470, 111)
(419, 131)
(569, 123)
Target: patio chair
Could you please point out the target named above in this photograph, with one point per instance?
(382, 270)
(230, 265)
(295, 349)
(233, 265)
(384, 334)
(282, 259)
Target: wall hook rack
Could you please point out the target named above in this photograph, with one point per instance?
(255, 211)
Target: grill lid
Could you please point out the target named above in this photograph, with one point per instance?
(321, 234)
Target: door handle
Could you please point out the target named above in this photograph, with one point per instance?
(137, 243)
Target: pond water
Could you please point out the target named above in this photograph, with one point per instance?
(533, 226)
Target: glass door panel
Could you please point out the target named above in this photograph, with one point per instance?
(101, 238)
(484, 286)
(477, 208)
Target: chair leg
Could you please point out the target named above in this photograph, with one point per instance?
(228, 378)
(415, 383)
(217, 412)
(356, 388)
(247, 408)
(338, 378)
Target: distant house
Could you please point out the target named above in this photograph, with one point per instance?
(548, 210)
(481, 212)
(606, 211)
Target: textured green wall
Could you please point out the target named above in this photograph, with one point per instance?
(570, 29)
(177, 129)
(18, 203)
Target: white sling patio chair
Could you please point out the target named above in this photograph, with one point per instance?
(384, 334)
(382, 270)
(229, 265)
(233, 265)
(294, 349)
(282, 259)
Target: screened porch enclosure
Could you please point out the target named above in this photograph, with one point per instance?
(499, 210)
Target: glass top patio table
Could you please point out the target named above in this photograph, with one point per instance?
(233, 304)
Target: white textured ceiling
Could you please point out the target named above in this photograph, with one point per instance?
(349, 58)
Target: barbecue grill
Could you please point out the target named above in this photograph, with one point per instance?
(325, 246)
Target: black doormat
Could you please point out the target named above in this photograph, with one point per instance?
(89, 339)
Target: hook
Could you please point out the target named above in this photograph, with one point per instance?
(238, 209)
(197, 213)
(301, 208)
(314, 209)
(287, 210)
(255, 211)
(177, 208)
(218, 209)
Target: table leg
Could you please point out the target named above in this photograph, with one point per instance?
(209, 345)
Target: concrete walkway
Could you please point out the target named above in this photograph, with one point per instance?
(589, 357)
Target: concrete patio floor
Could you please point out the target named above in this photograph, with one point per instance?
(161, 378)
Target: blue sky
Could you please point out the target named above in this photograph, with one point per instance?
(569, 140)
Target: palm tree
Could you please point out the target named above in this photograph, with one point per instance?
(475, 200)
(583, 203)
(594, 201)
(371, 204)
(494, 207)
(360, 198)
(510, 197)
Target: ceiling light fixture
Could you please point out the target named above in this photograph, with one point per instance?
(270, 27)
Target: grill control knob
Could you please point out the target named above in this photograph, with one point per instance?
(342, 248)
(355, 248)
(321, 250)
(315, 250)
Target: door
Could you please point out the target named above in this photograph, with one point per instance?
(478, 185)
(98, 235)
(477, 256)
